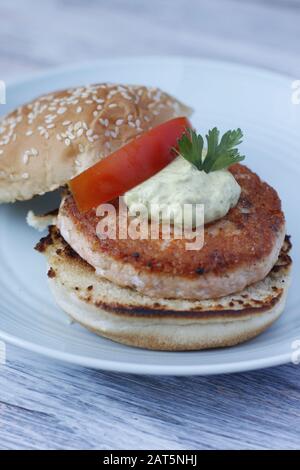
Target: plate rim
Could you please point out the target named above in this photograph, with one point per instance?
(148, 369)
(77, 65)
(127, 367)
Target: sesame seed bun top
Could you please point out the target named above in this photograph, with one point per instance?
(47, 142)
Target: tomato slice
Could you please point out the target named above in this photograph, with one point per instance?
(129, 166)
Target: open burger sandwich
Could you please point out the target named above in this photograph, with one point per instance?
(118, 151)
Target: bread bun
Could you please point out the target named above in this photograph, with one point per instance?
(128, 317)
(45, 143)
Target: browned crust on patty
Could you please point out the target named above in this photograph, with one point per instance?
(245, 236)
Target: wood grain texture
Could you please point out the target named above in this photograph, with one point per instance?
(45, 404)
(48, 405)
(35, 35)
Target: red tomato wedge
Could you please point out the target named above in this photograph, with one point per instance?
(129, 166)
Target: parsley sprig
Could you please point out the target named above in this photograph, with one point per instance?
(220, 154)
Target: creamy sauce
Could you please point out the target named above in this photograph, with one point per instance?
(182, 183)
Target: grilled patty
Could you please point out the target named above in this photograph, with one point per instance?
(239, 249)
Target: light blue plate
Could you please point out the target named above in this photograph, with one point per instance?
(223, 95)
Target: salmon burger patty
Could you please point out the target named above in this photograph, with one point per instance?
(239, 249)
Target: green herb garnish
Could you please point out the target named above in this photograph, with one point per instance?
(219, 154)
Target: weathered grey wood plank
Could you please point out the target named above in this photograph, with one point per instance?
(36, 35)
(45, 404)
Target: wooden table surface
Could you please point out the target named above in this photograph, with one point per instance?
(49, 405)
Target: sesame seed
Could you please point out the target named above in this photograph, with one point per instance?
(89, 132)
(95, 113)
(77, 126)
(1, 152)
(112, 105)
(104, 122)
(70, 135)
(112, 93)
(79, 132)
(119, 122)
(126, 96)
(61, 110)
(50, 126)
(66, 123)
(79, 109)
(67, 142)
(25, 176)
(29, 132)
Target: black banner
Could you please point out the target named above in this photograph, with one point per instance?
(136, 459)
